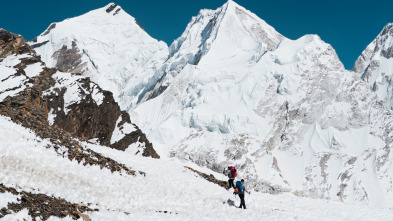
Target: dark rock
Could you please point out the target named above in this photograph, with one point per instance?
(6, 36)
(117, 11)
(12, 44)
(39, 44)
(110, 8)
(388, 53)
(211, 178)
(69, 60)
(139, 24)
(133, 137)
(52, 26)
(42, 206)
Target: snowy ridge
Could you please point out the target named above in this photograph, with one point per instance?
(229, 34)
(107, 45)
(375, 65)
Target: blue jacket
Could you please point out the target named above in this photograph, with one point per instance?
(240, 187)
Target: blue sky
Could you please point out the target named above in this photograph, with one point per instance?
(349, 26)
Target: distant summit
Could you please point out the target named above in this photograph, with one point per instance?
(230, 33)
(107, 45)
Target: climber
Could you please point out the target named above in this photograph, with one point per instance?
(231, 173)
(240, 189)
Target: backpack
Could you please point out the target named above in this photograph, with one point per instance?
(233, 171)
(239, 187)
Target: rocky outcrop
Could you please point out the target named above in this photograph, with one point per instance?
(210, 178)
(134, 137)
(45, 97)
(69, 59)
(31, 111)
(42, 207)
(12, 44)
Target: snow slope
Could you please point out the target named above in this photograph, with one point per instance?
(375, 65)
(285, 112)
(107, 45)
(27, 163)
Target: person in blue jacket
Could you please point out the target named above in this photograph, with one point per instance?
(240, 189)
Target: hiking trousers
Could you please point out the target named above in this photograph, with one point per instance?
(242, 202)
(231, 184)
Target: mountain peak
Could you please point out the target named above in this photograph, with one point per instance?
(387, 30)
(231, 3)
(240, 30)
(112, 8)
(108, 45)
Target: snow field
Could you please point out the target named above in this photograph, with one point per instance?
(168, 186)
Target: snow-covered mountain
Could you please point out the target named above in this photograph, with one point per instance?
(232, 90)
(209, 38)
(375, 65)
(286, 112)
(51, 102)
(107, 45)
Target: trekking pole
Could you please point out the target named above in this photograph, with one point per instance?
(249, 193)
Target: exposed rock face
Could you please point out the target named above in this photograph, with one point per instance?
(12, 44)
(42, 206)
(134, 137)
(73, 103)
(210, 178)
(111, 8)
(68, 60)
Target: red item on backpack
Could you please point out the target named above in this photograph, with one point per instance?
(233, 171)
